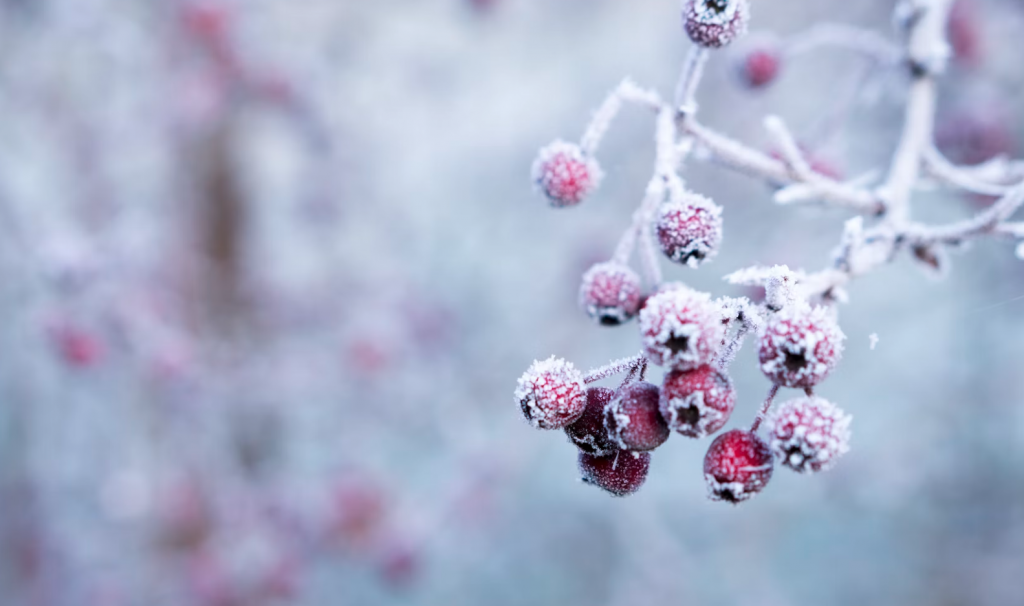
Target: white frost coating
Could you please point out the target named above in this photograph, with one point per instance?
(800, 346)
(689, 229)
(551, 393)
(779, 282)
(681, 328)
(808, 434)
(873, 338)
(613, 368)
(565, 174)
(1020, 251)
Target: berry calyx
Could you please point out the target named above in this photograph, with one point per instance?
(737, 466)
(619, 474)
(808, 433)
(689, 229)
(588, 432)
(760, 66)
(551, 393)
(800, 346)
(681, 328)
(697, 402)
(565, 174)
(715, 23)
(633, 420)
(610, 293)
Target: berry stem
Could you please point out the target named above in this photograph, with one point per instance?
(626, 91)
(868, 43)
(614, 368)
(764, 408)
(689, 79)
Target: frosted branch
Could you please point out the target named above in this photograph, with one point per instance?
(613, 368)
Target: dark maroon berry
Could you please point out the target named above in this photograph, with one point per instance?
(632, 419)
(621, 473)
(737, 466)
(588, 432)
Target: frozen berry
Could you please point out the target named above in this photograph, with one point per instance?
(551, 393)
(588, 432)
(689, 229)
(737, 466)
(760, 66)
(78, 347)
(808, 433)
(565, 174)
(610, 293)
(800, 346)
(681, 328)
(620, 474)
(715, 23)
(698, 402)
(632, 419)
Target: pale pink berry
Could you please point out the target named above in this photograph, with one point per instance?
(610, 293)
(621, 473)
(588, 432)
(689, 229)
(632, 419)
(698, 402)
(715, 23)
(551, 393)
(565, 174)
(800, 346)
(760, 66)
(681, 328)
(808, 433)
(737, 466)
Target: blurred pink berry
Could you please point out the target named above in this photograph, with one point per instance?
(588, 432)
(205, 20)
(399, 565)
(620, 474)
(737, 466)
(800, 346)
(715, 23)
(610, 293)
(808, 433)
(974, 137)
(689, 229)
(632, 419)
(78, 347)
(964, 33)
(565, 174)
(185, 516)
(681, 328)
(760, 66)
(698, 402)
(551, 393)
(358, 513)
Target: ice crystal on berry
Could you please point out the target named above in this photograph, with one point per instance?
(800, 346)
(633, 420)
(565, 174)
(588, 432)
(681, 328)
(715, 23)
(698, 402)
(610, 293)
(737, 466)
(689, 229)
(551, 393)
(808, 433)
(620, 474)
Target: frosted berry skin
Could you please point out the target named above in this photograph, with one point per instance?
(715, 23)
(808, 434)
(588, 432)
(619, 474)
(737, 466)
(633, 420)
(689, 229)
(551, 393)
(681, 328)
(760, 67)
(800, 346)
(610, 293)
(565, 174)
(696, 403)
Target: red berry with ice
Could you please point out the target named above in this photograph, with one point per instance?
(800, 346)
(737, 466)
(621, 473)
(588, 432)
(633, 420)
(760, 66)
(551, 393)
(681, 328)
(808, 433)
(715, 23)
(610, 293)
(565, 174)
(689, 229)
(698, 402)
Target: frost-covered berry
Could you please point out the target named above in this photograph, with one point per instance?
(551, 393)
(620, 474)
(698, 402)
(610, 293)
(689, 229)
(588, 432)
(715, 23)
(737, 466)
(565, 174)
(800, 346)
(760, 66)
(808, 433)
(681, 328)
(632, 419)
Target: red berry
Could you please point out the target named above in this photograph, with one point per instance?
(974, 137)
(964, 33)
(689, 229)
(551, 393)
(715, 23)
(632, 419)
(78, 347)
(681, 328)
(800, 346)
(610, 293)
(565, 174)
(620, 474)
(737, 466)
(808, 433)
(760, 66)
(698, 402)
(588, 432)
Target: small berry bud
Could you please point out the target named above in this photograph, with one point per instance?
(565, 174)
(698, 402)
(610, 293)
(588, 432)
(737, 466)
(800, 346)
(620, 474)
(760, 66)
(633, 421)
(689, 229)
(715, 23)
(808, 433)
(681, 328)
(551, 393)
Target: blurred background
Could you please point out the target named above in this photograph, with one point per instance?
(269, 270)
